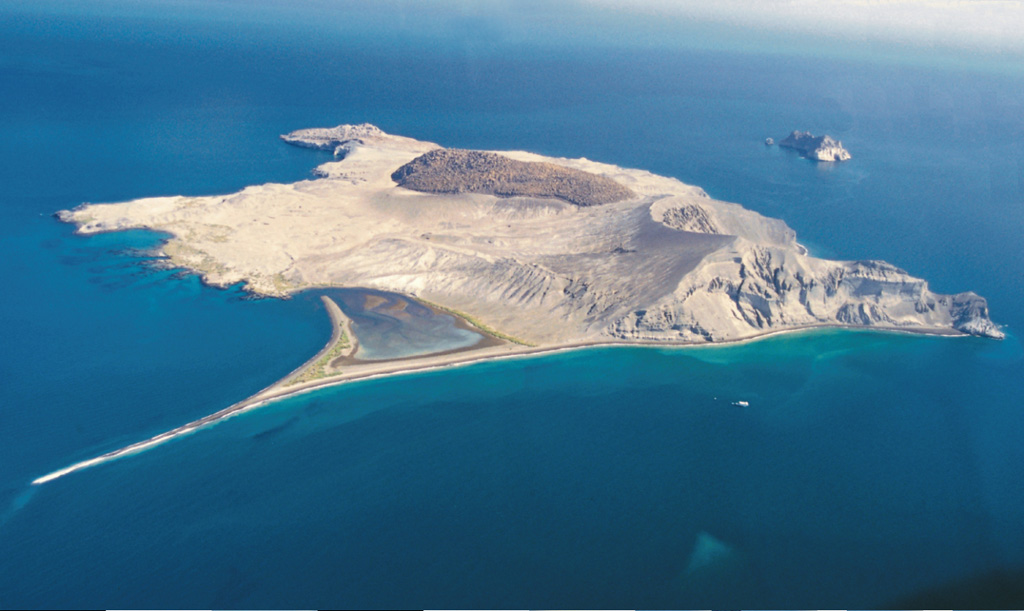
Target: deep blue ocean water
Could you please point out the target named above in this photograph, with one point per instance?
(868, 469)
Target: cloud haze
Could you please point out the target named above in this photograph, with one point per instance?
(986, 25)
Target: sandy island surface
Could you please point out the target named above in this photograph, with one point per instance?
(540, 250)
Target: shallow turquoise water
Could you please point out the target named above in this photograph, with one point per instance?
(397, 327)
(867, 468)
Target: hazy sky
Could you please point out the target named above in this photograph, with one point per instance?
(962, 27)
(983, 25)
(988, 25)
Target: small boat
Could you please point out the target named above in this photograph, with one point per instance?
(741, 403)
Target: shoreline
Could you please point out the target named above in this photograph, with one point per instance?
(341, 326)
(371, 370)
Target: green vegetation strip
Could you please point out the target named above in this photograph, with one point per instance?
(476, 323)
(318, 369)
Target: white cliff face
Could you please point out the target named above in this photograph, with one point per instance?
(668, 265)
(830, 150)
(753, 288)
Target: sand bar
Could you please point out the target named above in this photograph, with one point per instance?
(491, 350)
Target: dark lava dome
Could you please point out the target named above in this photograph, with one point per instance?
(463, 171)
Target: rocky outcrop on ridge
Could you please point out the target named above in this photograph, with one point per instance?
(331, 138)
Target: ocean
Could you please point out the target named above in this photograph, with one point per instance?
(869, 469)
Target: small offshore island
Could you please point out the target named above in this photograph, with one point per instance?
(818, 148)
(533, 253)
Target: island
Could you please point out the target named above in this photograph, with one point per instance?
(551, 251)
(534, 253)
(818, 148)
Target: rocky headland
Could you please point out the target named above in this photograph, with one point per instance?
(549, 251)
(818, 148)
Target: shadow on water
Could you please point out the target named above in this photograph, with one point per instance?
(1001, 589)
(275, 430)
(20, 500)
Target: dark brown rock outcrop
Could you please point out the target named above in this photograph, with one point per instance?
(463, 171)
